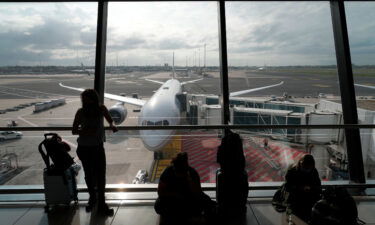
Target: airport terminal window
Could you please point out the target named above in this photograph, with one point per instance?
(42, 45)
(150, 43)
(362, 50)
(289, 53)
(163, 53)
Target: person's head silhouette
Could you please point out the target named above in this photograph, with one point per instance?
(306, 163)
(180, 164)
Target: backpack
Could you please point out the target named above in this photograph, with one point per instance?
(337, 207)
(57, 150)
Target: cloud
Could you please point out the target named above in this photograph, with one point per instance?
(128, 43)
(278, 31)
(282, 33)
(174, 44)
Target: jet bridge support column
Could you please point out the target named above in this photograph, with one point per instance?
(101, 41)
(348, 101)
(224, 98)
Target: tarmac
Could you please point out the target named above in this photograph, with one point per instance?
(39, 86)
(125, 151)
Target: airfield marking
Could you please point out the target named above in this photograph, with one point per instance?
(25, 96)
(35, 125)
(26, 121)
(125, 82)
(76, 100)
(46, 93)
(321, 85)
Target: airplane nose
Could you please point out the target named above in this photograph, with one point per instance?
(154, 140)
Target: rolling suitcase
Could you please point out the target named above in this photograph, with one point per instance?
(60, 186)
(60, 189)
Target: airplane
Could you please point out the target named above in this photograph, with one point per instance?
(162, 109)
(84, 70)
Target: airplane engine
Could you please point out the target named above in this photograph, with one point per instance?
(118, 113)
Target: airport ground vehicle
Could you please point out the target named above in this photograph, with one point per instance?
(141, 177)
(8, 135)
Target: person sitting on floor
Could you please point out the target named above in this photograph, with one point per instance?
(303, 184)
(180, 193)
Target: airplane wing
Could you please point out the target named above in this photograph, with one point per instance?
(191, 81)
(131, 101)
(155, 81)
(233, 94)
(365, 86)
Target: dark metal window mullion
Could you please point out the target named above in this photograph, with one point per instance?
(101, 42)
(348, 101)
(224, 98)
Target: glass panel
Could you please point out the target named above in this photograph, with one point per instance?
(164, 59)
(290, 42)
(362, 48)
(43, 45)
(368, 152)
(168, 59)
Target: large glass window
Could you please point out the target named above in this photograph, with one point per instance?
(163, 57)
(361, 31)
(42, 46)
(162, 69)
(282, 66)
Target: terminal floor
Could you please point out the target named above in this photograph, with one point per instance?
(260, 212)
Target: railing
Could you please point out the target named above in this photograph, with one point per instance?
(38, 189)
(208, 127)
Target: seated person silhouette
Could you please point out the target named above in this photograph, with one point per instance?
(303, 184)
(180, 194)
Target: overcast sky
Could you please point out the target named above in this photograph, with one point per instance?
(258, 33)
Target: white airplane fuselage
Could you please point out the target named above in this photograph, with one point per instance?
(162, 109)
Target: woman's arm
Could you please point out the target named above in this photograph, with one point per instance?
(76, 122)
(108, 117)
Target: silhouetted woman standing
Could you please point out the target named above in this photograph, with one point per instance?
(88, 125)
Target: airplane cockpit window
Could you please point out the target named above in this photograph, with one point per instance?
(150, 123)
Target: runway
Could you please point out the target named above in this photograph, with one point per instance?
(19, 86)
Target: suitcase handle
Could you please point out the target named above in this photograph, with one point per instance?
(45, 156)
(50, 134)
